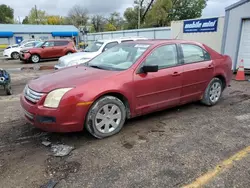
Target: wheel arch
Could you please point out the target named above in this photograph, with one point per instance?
(223, 80)
(120, 96)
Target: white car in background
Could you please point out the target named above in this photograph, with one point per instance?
(23, 42)
(92, 51)
(13, 52)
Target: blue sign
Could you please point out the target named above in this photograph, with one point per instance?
(202, 25)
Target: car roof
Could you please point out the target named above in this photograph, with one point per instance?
(164, 41)
(54, 40)
(121, 39)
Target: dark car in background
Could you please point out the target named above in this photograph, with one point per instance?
(50, 49)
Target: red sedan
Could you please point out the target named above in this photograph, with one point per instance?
(128, 80)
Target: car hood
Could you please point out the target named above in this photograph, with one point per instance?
(69, 77)
(77, 56)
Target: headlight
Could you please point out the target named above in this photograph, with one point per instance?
(54, 97)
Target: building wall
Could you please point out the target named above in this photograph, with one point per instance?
(233, 30)
(151, 33)
(212, 39)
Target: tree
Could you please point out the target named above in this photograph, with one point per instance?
(55, 20)
(37, 16)
(158, 16)
(115, 22)
(6, 14)
(98, 22)
(78, 16)
(25, 20)
(186, 9)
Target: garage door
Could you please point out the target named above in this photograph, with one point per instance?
(244, 51)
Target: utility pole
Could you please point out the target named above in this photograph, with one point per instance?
(139, 12)
(36, 15)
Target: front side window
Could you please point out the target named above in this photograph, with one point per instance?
(49, 44)
(93, 47)
(110, 45)
(120, 57)
(28, 45)
(194, 53)
(164, 56)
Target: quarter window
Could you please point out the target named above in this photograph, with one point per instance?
(193, 54)
(164, 56)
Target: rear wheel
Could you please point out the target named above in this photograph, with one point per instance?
(213, 92)
(35, 58)
(106, 117)
(15, 55)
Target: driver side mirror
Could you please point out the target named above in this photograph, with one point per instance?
(150, 68)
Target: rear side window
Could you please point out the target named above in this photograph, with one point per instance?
(61, 43)
(193, 54)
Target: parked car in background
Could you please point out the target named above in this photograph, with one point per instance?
(23, 42)
(101, 94)
(50, 49)
(91, 51)
(13, 52)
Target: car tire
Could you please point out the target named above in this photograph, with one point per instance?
(35, 58)
(15, 55)
(213, 92)
(68, 53)
(8, 90)
(106, 117)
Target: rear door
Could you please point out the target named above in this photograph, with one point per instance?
(60, 48)
(198, 71)
(158, 90)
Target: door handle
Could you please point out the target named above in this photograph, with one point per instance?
(210, 66)
(176, 74)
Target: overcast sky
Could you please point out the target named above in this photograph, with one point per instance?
(61, 7)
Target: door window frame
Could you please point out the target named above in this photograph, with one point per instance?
(108, 44)
(205, 52)
(138, 70)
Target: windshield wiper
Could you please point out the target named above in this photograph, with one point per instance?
(96, 66)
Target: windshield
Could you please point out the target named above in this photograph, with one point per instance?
(93, 47)
(120, 57)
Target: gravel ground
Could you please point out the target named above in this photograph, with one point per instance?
(166, 149)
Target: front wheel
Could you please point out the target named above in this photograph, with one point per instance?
(35, 58)
(15, 55)
(106, 117)
(213, 92)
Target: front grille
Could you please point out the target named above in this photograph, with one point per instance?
(32, 95)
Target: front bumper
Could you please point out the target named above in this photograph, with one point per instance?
(6, 54)
(25, 56)
(57, 67)
(69, 118)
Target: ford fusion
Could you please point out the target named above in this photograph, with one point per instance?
(128, 80)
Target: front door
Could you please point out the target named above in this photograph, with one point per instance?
(48, 50)
(198, 71)
(162, 89)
